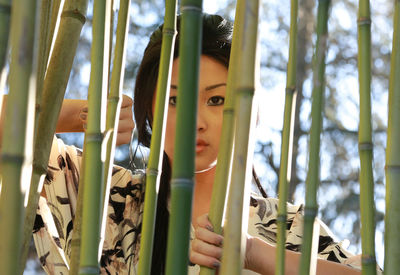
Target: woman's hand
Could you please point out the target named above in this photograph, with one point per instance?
(125, 124)
(206, 248)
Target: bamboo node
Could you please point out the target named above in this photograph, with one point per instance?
(368, 260)
(393, 167)
(11, 158)
(183, 182)
(94, 137)
(152, 172)
(364, 21)
(310, 212)
(290, 90)
(89, 270)
(74, 14)
(365, 146)
(245, 90)
(169, 31)
(4, 8)
(191, 8)
(39, 168)
(281, 218)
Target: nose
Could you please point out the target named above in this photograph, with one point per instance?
(201, 119)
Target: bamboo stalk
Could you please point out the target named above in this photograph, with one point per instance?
(93, 162)
(153, 172)
(311, 207)
(56, 10)
(184, 152)
(287, 140)
(16, 155)
(114, 102)
(238, 200)
(224, 164)
(5, 11)
(367, 205)
(59, 68)
(392, 217)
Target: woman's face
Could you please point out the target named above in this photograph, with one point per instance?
(212, 88)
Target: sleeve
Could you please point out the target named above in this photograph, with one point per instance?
(263, 224)
(52, 230)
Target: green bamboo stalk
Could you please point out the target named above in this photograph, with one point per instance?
(17, 143)
(238, 201)
(224, 163)
(392, 217)
(45, 15)
(153, 172)
(184, 154)
(56, 10)
(59, 68)
(114, 102)
(5, 11)
(93, 163)
(311, 207)
(287, 138)
(367, 204)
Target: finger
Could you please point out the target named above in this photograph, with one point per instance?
(204, 260)
(123, 138)
(126, 125)
(203, 221)
(207, 249)
(126, 101)
(208, 236)
(126, 112)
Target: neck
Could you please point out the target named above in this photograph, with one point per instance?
(202, 193)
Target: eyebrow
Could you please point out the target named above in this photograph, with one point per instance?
(175, 87)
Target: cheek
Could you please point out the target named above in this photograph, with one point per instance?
(170, 135)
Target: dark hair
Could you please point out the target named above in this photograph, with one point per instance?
(216, 43)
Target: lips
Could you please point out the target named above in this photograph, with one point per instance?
(201, 145)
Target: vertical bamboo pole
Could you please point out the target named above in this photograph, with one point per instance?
(238, 201)
(392, 217)
(153, 172)
(5, 11)
(114, 102)
(184, 152)
(93, 161)
(367, 205)
(287, 140)
(59, 68)
(311, 207)
(16, 151)
(224, 163)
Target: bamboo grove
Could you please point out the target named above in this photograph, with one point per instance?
(42, 37)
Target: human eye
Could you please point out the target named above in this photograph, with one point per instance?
(172, 101)
(216, 101)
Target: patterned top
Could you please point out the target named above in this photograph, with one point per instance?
(53, 227)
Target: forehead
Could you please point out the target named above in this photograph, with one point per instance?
(211, 71)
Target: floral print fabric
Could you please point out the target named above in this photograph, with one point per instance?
(53, 227)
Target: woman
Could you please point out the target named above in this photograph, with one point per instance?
(52, 232)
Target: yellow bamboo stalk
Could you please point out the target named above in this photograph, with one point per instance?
(238, 201)
(16, 154)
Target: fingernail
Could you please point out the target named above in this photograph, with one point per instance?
(221, 242)
(85, 126)
(209, 228)
(85, 110)
(216, 264)
(83, 116)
